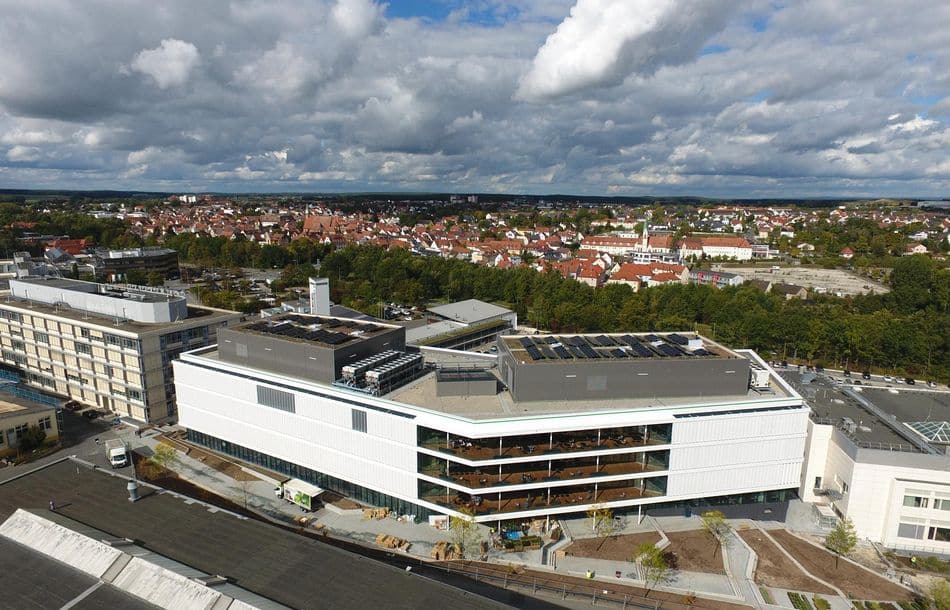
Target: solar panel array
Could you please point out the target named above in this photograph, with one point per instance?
(330, 331)
(580, 347)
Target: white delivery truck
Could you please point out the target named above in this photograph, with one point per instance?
(117, 452)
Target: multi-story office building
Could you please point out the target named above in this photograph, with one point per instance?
(104, 346)
(552, 425)
(882, 459)
(115, 265)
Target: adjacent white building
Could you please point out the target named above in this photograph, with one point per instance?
(552, 425)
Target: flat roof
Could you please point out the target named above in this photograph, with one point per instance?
(117, 291)
(208, 315)
(422, 393)
(22, 406)
(612, 346)
(427, 331)
(270, 561)
(323, 330)
(831, 406)
(469, 311)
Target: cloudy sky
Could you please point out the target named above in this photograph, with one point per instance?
(599, 97)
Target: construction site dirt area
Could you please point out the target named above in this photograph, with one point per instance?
(855, 582)
(695, 551)
(614, 548)
(775, 569)
(209, 459)
(830, 281)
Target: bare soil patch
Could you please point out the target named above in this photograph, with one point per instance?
(695, 551)
(774, 569)
(615, 548)
(854, 581)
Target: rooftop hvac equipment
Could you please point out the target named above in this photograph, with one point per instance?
(848, 425)
(356, 371)
(390, 372)
(760, 378)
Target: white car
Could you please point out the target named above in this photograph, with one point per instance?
(888, 378)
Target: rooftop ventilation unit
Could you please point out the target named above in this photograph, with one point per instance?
(354, 373)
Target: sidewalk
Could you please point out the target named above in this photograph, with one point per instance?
(258, 496)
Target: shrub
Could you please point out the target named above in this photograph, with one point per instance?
(799, 601)
(821, 603)
(767, 596)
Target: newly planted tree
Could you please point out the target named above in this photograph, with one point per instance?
(654, 566)
(842, 539)
(465, 532)
(715, 524)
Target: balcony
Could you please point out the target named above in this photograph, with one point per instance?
(541, 499)
(527, 473)
(538, 445)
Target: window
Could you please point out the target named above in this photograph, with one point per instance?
(17, 345)
(40, 337)
(844, 487)
(134, 394)
(910, 530)
(84, 332)
(817, 482)
(941, 534)
(916, 502)
(276, 399)
(20, 431)
(942, 504)
(45, 424)
(359, 420)
(83, 348)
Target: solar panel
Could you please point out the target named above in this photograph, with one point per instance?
(677, 339)
(665, 349)
(576, 352)
(548, 352)
(562, 352)
(642, 350)
(702, 352)
(526, 342)
(551, 340)
(533, 352)
(618, 353)
(589, 351)
(605, 341)
(652, 338)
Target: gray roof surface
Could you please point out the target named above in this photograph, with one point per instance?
(264, 559)
(33, 580)
(471, 311)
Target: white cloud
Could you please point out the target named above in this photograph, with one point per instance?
(358, 18)
(170, 64)
(603, 41)
(23, 153)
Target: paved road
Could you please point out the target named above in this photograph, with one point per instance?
(78, 438)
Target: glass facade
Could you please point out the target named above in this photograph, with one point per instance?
(490, 503)
(500, 447)
(520, 473)
(351, 490)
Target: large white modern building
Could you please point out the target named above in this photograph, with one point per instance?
(102, 345)
(552, 425)
(880, 457)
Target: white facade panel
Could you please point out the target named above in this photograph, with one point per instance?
(737, 479)
(739, 426)
(318, 436)
(737, 452)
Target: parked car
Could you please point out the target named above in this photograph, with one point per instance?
(866, 375)
(931, 384)
(910, 381)
(857, 382)
(846, 372)
(91, 414)
(785, 364)
(72, 405)
(888, 379)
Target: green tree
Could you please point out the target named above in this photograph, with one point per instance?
(911, 282)
(715, 524)
(164, 456)
(654, 566)
(465, 532)
(842, 539)
(940, 593)
(31, 438)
